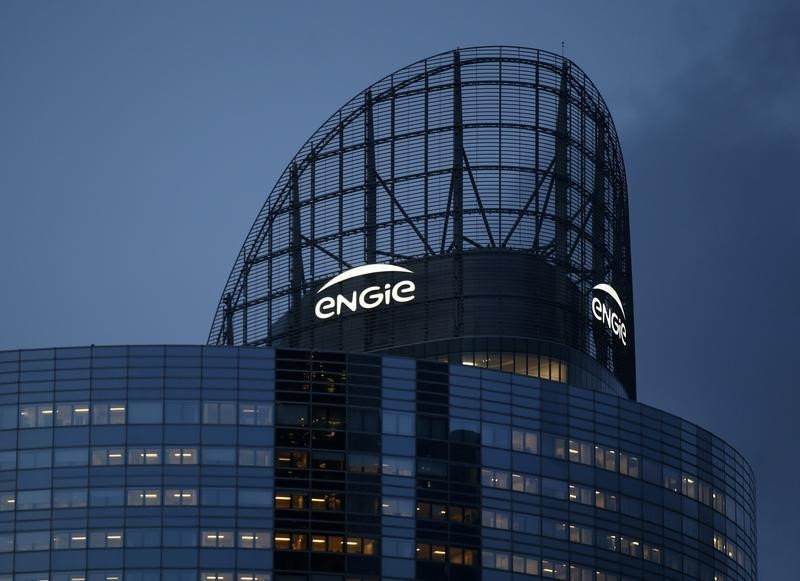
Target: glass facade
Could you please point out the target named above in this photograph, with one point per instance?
(234, 463)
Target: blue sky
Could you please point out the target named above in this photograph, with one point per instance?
(138, 141)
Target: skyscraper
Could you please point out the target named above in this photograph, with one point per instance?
(422, 366)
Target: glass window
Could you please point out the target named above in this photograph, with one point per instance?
(629, 465)
(6, 543)
(398, 548)
(214, 496)
(72, 414)
(605, 458)
(70, 456)
(181, 412)
(33, 499)
(36, 416)
(327, 501)
(431, 469)
(651, 553)
(180, 497)
(554, 446)
(361, 420)
(581, 534)
(361, 462)
(216, 538)
(8, 460)
(140, 537)
(219, 412)
(580, 452)
(69, 497)
(605, 500)
(554, 529)
(289, 500)
(35, 458)
(689, 486)
(400, 423)
(496, 519)
(398, 466)
(144, 455)
(33, 541)
(525, 441)
(554, 569)
(255, 414)
(180, 537)
(144, 497)
(8, 417)
(108, 413)
(255, 457)
(145, 412)
(672, 479)
(287, 414)
(290, 542)
(327, 460)
(495, 435)
(106, 496)
(224, 456)
(394, 506)
(495, 478)
(582, 494)
(254, 539)
(108, 456)
(8, 501)
(292, 459)
(69, 540)
(257, 497)
(181, 455)
(466, 431)
(105, 539)
(216, 576)
(554, 488)
(526, 523)
(525, 483)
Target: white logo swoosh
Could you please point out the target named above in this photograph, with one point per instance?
(607, 288)
(361, 271)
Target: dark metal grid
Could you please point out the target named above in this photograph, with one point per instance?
(488, 147)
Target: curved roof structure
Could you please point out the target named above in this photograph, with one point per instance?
(486, 149)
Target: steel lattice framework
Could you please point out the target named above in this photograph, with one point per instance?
(500, 148)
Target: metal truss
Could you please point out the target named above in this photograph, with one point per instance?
(478, 148)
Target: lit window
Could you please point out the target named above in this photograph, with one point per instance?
(525, 441)
(180, 497)
(255, 414)
(144, 455)
(181, 455)
(144, 497)
(216, 538)
(398, 466)
(290, 541)
(108, 456)
(105, 539)
(108, 413)
(254, 540)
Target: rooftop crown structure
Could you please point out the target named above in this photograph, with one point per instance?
(494, 175)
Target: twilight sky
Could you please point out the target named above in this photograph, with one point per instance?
(138, 141)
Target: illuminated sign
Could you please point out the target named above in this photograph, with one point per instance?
(368, 298)
(608, 315)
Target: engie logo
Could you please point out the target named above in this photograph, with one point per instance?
(608, 316)
(370, 297)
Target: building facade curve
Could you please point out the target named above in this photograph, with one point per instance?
(244, 464)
